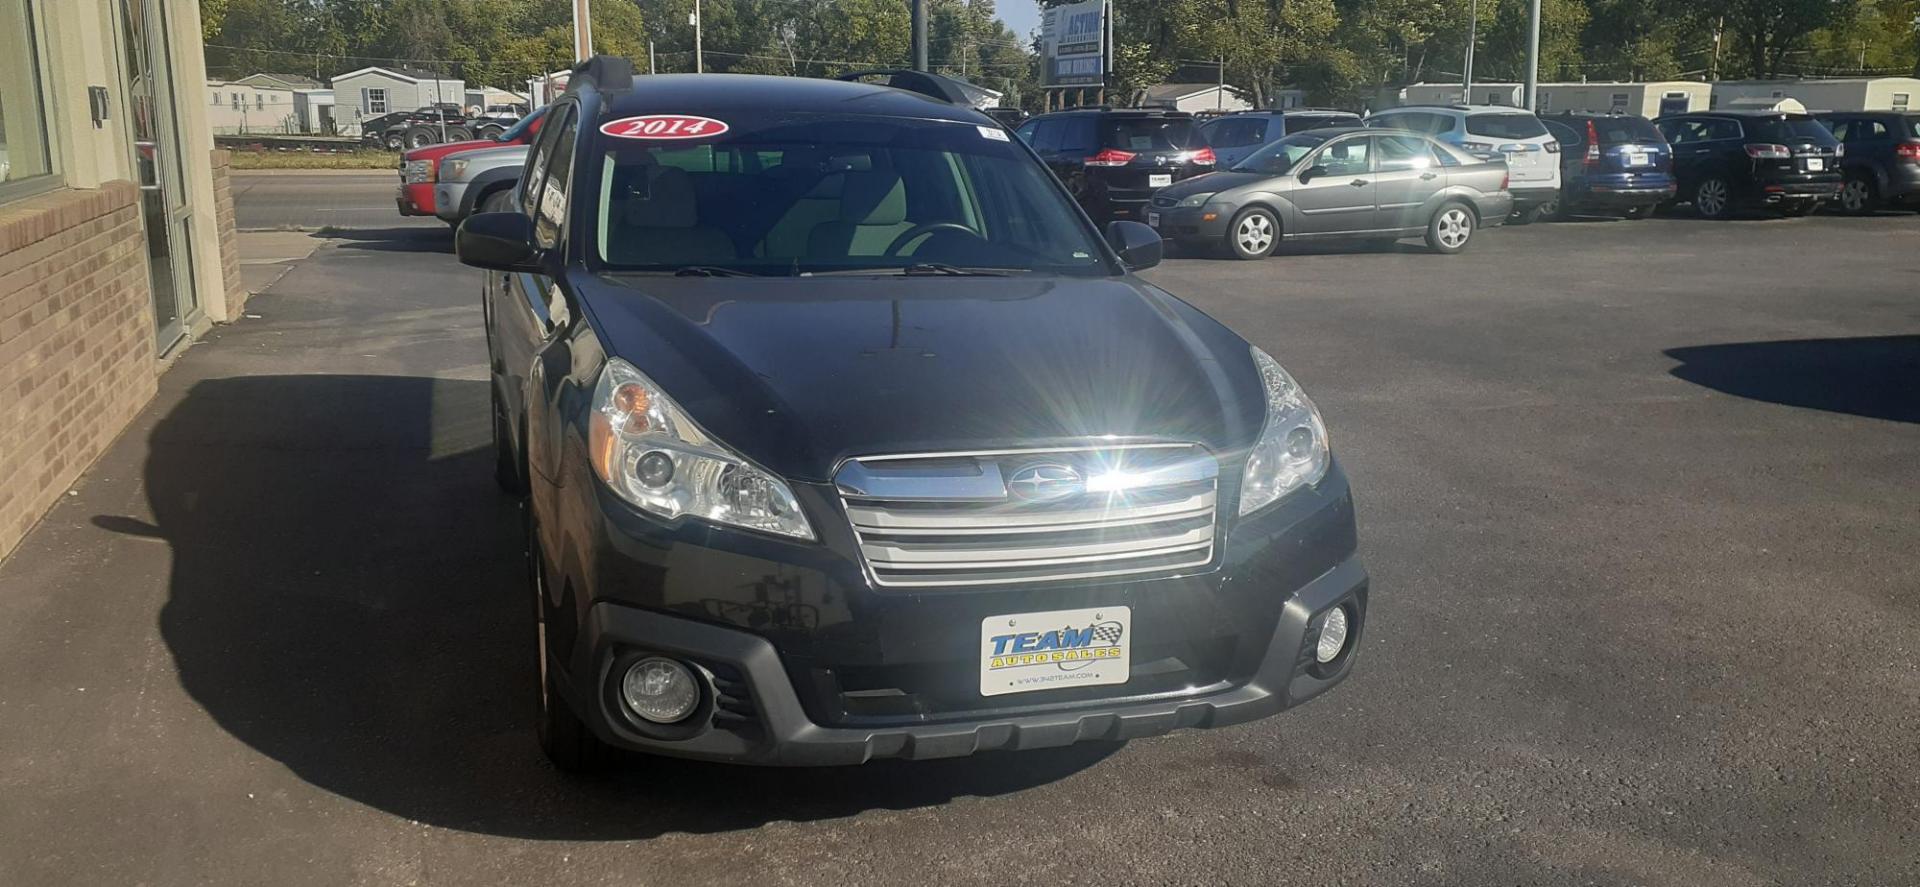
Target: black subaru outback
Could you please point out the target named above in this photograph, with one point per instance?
(845, 435)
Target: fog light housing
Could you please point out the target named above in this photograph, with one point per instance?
(659, 690)
(1333, 636)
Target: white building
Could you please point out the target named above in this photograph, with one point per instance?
(237, 107)
(1194, 97)
(1649, 99)
(313, 110)
(1857, 94)
(371, 92)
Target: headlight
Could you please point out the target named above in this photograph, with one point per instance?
(417, 170)
(1197, 199)
(650, 453)
(452, 169)
(1292, 451)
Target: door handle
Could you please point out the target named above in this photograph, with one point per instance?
(1359, 183)
(1428, 177)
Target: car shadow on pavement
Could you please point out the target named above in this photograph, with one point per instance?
(347, 598)
(1877, 377)
(402, 239)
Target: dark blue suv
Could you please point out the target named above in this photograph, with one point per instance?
(1611, 163)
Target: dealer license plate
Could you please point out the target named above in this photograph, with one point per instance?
(1638, 158)
(1815, 164)
(1159, 180)
(1153, 219)
(1056, 650)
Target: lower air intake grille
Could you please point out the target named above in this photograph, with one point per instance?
(1032, 516)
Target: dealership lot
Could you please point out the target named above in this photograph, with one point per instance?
(1638, 499)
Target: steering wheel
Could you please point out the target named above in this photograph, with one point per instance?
(918, 231)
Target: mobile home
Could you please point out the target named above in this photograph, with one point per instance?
(1856, 94)
(1650, 99)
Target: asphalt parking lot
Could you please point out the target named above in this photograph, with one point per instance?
(1639, 500)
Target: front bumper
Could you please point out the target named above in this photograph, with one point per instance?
(749, 685)
(415, 199)
(448, 197)
(1190, 222)
(807, 664)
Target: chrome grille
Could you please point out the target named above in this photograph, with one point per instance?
(1032, 516)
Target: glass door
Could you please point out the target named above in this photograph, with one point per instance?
(153, 122)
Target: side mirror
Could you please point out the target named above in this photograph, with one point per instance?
(497, 242)
(1138, 245)
(1312, 173)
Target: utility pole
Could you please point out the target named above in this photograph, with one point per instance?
(582, 30)
(919, 11)
(651, 69)
(1533, 55)
(1473, 36)
(699, 59)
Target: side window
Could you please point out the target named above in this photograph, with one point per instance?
(551, 217)
(1723, 129)
(1026, 132)
(1675, 131)
(537, 161)
(1346, 157)
(1401, 153)
(1567, 136)
(1841, 129)
(1864, 130)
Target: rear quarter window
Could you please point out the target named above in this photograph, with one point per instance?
(1506, 126)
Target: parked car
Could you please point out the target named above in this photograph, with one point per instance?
(1112, 160)
(1731, 160)
(845, 435)
(1236, 136)
(1881, 166)
(1532, 153)
(1613, 163)
(1339, 182)
(420, 167)
(477, 181)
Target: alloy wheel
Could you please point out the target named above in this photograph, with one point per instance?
(1854, 197)
(1254, 234)
(1455, 227)
(1711, 200)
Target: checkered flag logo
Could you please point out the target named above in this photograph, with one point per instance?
(1107, 632)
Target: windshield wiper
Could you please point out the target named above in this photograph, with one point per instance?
(711, 271)
(922, 268)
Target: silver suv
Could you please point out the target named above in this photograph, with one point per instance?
(1533, 156)
(469, 179)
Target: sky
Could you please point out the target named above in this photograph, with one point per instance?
(1021, 16)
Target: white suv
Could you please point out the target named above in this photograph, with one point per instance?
(1533, 156)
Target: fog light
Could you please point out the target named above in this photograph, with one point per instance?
(1333, 636)
(659, 690)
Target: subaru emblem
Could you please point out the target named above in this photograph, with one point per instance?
(1045, 481)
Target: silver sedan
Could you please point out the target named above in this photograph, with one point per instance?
(1347, 182)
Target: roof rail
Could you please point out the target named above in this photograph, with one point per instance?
(607, 73)
(945, 89)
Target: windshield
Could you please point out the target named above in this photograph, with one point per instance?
(1147, 133)
(527, 125)
(815, 193)
(1280, 157)
(1505, 126)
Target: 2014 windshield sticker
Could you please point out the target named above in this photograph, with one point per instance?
(664, 127)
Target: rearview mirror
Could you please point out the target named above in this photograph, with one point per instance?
(1138, 245)
(1312, 173)
(497, 242)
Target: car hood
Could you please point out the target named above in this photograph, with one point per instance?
(1213, 182)
(798, 374)
(431, 152)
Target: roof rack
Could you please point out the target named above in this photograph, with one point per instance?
(945, 89)
(606, 73)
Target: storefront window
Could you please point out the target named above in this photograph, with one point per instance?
(23, 130)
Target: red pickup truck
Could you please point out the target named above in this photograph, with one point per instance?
(420, 166)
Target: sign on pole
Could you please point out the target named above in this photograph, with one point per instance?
(582, 30)
(1071, 40)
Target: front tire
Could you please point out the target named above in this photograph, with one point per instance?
(1713, 199)
(564, 738)
(1450, 229)
(1859, 196)
(1253, 233)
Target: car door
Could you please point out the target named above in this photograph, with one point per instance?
(1335, 194)
(1406, 177)
(1688, 138)
(528, 308)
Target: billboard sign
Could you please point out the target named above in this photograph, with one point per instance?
(1071, 41)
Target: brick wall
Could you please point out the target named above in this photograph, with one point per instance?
(76, 341)
(229, 241)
